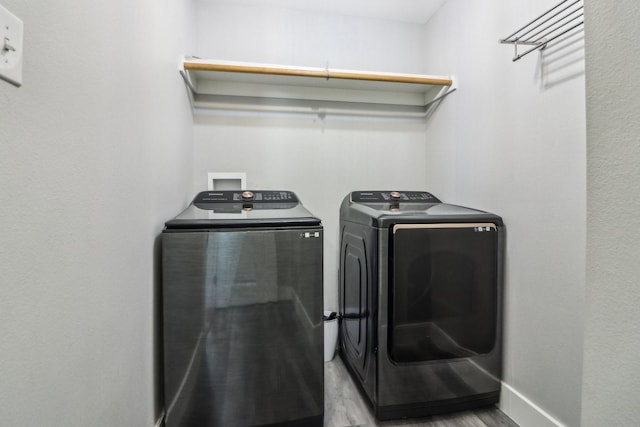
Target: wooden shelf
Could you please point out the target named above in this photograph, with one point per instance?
(266, 87)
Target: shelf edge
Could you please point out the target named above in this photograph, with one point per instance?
(327, 74)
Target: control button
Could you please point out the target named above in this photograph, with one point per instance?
(395, 195)
(247, 195)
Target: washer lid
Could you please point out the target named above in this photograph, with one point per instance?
(244, 208)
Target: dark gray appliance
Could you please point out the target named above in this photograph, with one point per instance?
(420, 296)
(242, 312)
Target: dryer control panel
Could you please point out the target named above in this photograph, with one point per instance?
(393, 196)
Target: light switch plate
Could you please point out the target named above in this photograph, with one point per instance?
(11, 30)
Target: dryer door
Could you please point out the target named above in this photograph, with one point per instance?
(444, 291)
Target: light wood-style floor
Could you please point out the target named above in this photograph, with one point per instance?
(345, 407)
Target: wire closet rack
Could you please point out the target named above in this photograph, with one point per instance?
(564, 17)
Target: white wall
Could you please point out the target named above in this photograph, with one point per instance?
(95, 153)
(321, 160)
(291, 37)
(511, 140)
(612, 338)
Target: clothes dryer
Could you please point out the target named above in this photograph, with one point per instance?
(242, 312)
(420, 296)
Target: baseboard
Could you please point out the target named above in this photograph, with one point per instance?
(524, 412)
(160, 420)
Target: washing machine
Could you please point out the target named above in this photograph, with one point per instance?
(242, 312)
(420, 297)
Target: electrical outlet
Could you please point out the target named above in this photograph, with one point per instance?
(11, 29)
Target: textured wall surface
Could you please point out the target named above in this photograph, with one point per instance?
(612, 339)
(95, 153)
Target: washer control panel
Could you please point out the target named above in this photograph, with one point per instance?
(208, 197)
(393, 196)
